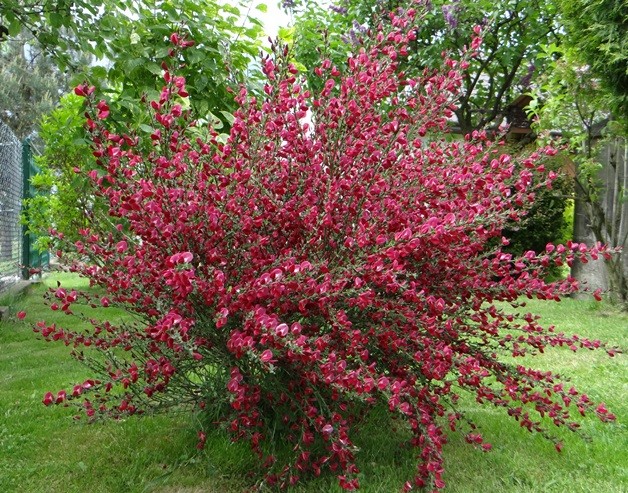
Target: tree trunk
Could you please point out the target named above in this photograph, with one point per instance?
(601, 214)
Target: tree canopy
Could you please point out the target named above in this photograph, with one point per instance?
(584, 97)
(128, 41)
(597, 30)
(30, 84)
(512, 33)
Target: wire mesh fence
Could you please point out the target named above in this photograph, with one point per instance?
(19, 258)
(11, 192)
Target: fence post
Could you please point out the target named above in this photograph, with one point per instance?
(27, 156)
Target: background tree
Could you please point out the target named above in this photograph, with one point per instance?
(65, 202)
(130, 39)
(597, 30)
(30, 84)
(513, 32)
(573, 101)
(51, 22)
(585, 96)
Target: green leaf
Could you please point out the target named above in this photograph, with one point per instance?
(152, 94)
(195, 56)
(56, 19)
(286, 34)
(227, 116)
(162, 52)
(14, 26)
(262, 7)
(214, 121)
(231, 9)
(146, 128)
(299, 66)
(153, 68)
(203, 108)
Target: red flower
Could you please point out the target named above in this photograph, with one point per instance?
(266, 356)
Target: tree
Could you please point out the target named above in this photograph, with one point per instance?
(43, 19)
(65, 202)
(573, 101)
(288, 281)
(512, 33)
(585, 96)
(30, 84)
(597, 31)
(129, 39)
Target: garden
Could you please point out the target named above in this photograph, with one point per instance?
(349, 258)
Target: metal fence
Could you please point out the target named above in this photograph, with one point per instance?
(11, 193)
(18, 257)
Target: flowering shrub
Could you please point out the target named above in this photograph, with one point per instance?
(289, 279)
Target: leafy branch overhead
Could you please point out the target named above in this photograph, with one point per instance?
(597, 30)
(128, 41)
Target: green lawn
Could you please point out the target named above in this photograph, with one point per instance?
(44, 449)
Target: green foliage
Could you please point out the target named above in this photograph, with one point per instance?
(29, 84)
(64, 202)
(598, 32)
(134, 39)
(546, 221)
(512, 31)
(569, 98)
(128, 40)
(572, 100)
(317, 34)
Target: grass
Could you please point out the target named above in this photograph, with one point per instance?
(44, 449)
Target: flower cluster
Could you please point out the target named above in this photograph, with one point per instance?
(335, 253)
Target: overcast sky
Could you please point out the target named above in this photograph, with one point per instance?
(274, 18)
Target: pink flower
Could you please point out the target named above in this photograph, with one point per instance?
(121, 246)
(282, 330)
(266, 356)
(103, 110)
(382, 383)
(597, 294)
(49, 398)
